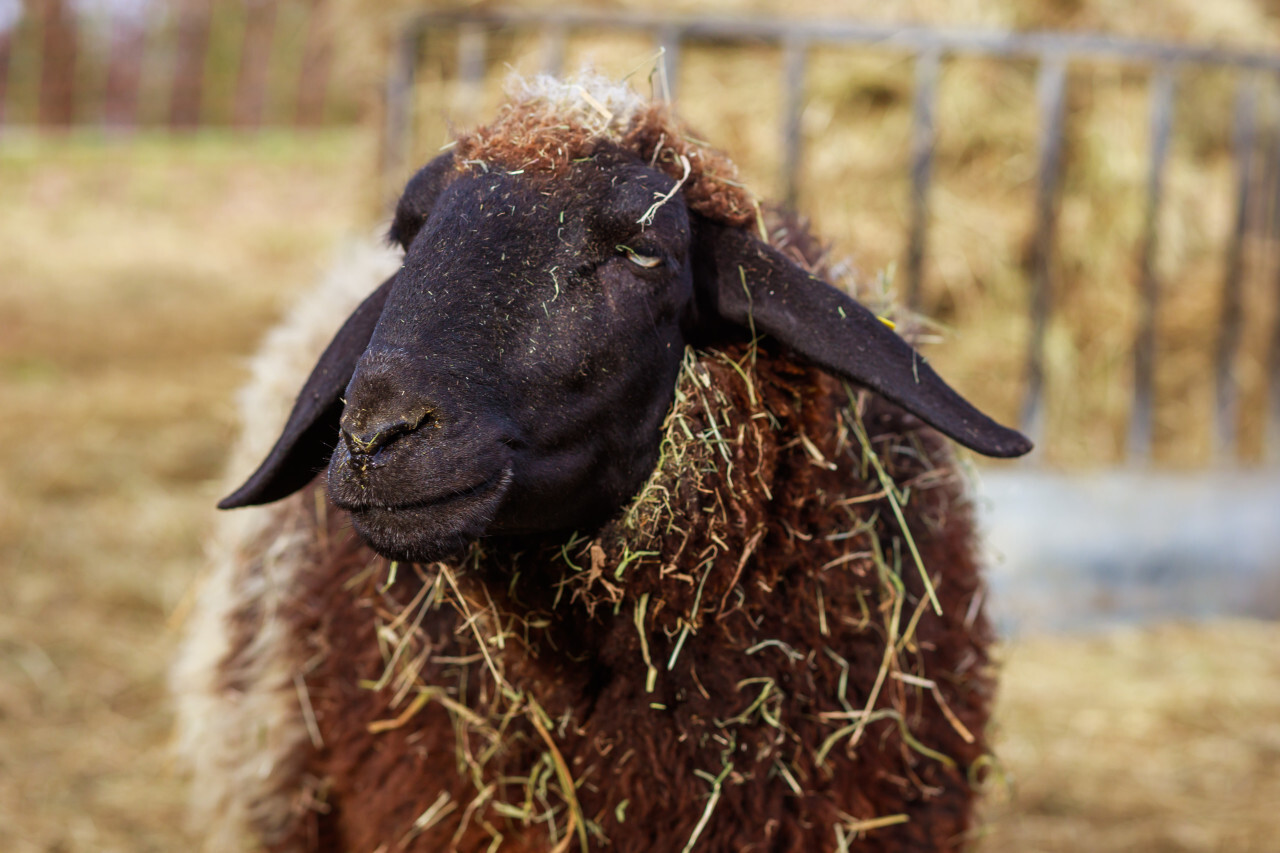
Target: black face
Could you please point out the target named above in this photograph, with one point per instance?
(513, 376)
(520, 371)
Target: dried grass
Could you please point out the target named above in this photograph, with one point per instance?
(648, 563)
(135, 280)
(1162, 739)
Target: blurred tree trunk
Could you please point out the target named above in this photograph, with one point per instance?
(188, 77)
(255, 59)
(124, 71)
(317, 58)
(57, 64)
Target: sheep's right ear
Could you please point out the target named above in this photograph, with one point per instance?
(419, 198)
(303, 449)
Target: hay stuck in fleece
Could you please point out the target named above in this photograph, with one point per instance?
(550, 123)
(778, 644)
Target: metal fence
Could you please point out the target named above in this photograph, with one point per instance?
(122, 64)
(1256, 153)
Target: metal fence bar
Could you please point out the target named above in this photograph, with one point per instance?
(1274, 232)
(122, 64)
(472, 50)
(1264, 224)
(315, 68)
(1228, 343)
(128, 38)
(554, 39)
(1163, 88)
(255, 60)
(908, 38)
(6, 52)
(795, 58)
(1051, 89)
(186, 98)
(670, 40)
(398, 120)
(922, 143)
(472, 47)
(1272, 437)
(1255, 216)
(1266, 241)
(1273, 391)
(58, 54)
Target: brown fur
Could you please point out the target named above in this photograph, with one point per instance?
(534, 137)
(672, 681)
(753, 534)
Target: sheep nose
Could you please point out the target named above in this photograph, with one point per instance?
(365, 431)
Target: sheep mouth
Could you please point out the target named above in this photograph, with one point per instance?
(489, 484)
(433, 528)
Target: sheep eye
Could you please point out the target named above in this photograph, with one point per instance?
(646, 261)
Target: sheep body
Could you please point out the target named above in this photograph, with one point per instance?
(746, 657)
(307, 585)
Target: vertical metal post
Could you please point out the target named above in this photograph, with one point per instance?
(1226, 397)
(58, 57)
(922, 143)
(1163, 88)
(669, 39)
(255, 60)
(1264, 228)
(398, 119)
(1272, 438)
(128, 42)
(1051, 88)
(315, 68)
(6, 52)
(795, 58)
(554, 38)
(185, 100)
(472, 46)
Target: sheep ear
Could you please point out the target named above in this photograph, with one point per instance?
(749, 284)
(303, 449)
(419, 197)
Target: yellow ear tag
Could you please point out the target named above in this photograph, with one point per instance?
(888, 322)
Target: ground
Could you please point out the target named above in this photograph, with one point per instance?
(135, 280)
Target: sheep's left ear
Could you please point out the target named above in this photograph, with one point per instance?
(751, 285)
(303, 449)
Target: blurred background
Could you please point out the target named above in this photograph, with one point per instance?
(1082, 195)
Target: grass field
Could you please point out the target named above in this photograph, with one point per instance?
(134, 280)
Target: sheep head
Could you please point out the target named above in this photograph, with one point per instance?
(513, 376)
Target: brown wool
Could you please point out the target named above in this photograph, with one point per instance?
(745, 658)
(748, 557)
(535, 135)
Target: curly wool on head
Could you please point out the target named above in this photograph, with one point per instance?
(550, 123)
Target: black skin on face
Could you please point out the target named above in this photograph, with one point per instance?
(513, 376)
(528, 352)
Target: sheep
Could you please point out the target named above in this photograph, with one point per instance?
(605, 521)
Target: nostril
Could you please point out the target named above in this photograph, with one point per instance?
(372, 434)
(366, 442)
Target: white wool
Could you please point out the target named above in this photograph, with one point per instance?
(238, 745)
(603, 105)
